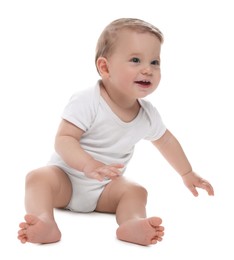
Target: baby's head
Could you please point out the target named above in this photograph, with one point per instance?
(109, 36)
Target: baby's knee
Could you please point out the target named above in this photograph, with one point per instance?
(32, 177)
(139, 190)
(29, 177)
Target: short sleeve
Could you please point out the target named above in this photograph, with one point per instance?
(157, 127)
(81, 109)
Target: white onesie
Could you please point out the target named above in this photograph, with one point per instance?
(107, 138)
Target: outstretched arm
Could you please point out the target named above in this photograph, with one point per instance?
(172, 151)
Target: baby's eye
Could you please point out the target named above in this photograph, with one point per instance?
(135, 60)
(155, 62)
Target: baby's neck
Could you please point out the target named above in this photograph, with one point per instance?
(125, 109)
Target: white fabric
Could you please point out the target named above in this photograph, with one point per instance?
(107, 138)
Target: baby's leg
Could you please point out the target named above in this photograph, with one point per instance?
(46, 188)
(128, 201)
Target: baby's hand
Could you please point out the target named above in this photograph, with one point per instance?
(100, 171)
(192, 180)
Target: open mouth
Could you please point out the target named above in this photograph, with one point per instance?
(143, 83)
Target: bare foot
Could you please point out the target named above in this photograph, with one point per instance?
(38, 230)
(141, 231)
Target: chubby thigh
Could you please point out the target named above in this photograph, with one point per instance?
(122, 193)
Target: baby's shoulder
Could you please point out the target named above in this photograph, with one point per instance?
(86, 97)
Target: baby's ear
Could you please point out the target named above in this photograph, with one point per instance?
(102, 66)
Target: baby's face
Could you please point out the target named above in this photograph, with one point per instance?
(134, 66)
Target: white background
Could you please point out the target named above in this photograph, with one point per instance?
(47, 53)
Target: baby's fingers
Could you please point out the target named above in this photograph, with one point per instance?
(108, 171)
(192, 188)
(116, 168)
(111, 171)
(206, 186)
(116, 165)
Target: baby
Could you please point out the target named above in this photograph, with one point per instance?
(95, 141)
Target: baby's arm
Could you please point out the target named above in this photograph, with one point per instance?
(171, 149)
(67, 145)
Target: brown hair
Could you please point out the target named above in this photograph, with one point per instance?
(109, 36)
